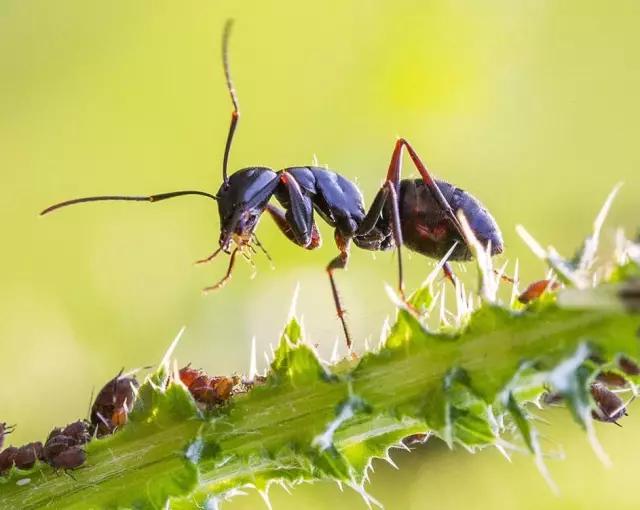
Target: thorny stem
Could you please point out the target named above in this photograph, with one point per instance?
(267, 434)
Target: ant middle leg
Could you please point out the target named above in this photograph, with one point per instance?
(340, 262)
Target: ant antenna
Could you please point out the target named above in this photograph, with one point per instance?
(149, 198)
(235, 115)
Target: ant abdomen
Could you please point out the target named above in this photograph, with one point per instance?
(428, 229)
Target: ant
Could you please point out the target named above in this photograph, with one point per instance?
(419, 213)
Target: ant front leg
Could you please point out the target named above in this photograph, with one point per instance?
(227, 276)
(280, 219)
(340, 262)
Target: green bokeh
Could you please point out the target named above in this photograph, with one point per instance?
(532, 106)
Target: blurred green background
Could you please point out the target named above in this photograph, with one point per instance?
(533, 106)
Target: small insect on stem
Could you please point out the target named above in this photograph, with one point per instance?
(113, 404)
(205, 390)
(609, 406)
(537, 289)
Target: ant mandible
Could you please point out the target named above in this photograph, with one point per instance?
(418, 213)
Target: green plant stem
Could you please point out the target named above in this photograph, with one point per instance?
(311, 422)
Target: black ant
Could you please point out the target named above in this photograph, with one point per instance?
(420, 213)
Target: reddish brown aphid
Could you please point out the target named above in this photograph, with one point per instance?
(612, 379)
(7, 459)
(71, 458)
(204, 389)
(113, 404)
(211, 390)
(416, 439)
(609, 406)
(536, 289)
(188, 375)
(28, 455)
(4, 431)
(628, 366)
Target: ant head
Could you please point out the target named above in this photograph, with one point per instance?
(241, 202)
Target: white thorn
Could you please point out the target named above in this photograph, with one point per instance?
(285, 487)
(434, 302)
(515, 292)
(403, 446)
(335, 356)
(266, 358)
(390, 461)
(503, 451)
(602, 215)
(443, 309)
(366, 344)
(596, 446)
(533, 245)
(294, 301)
(176, 373)
(253, 361)
(438, 267)
(470, 301)
(368, 499)
(395, 299)
(167, 355)
(265, 497)
(591, 243)
(544, 471)
(384, 332)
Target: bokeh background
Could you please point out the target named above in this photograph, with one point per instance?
(533, 106)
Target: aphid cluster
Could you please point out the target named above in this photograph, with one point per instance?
(607, 405)
(206, 390)
(63, 448)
